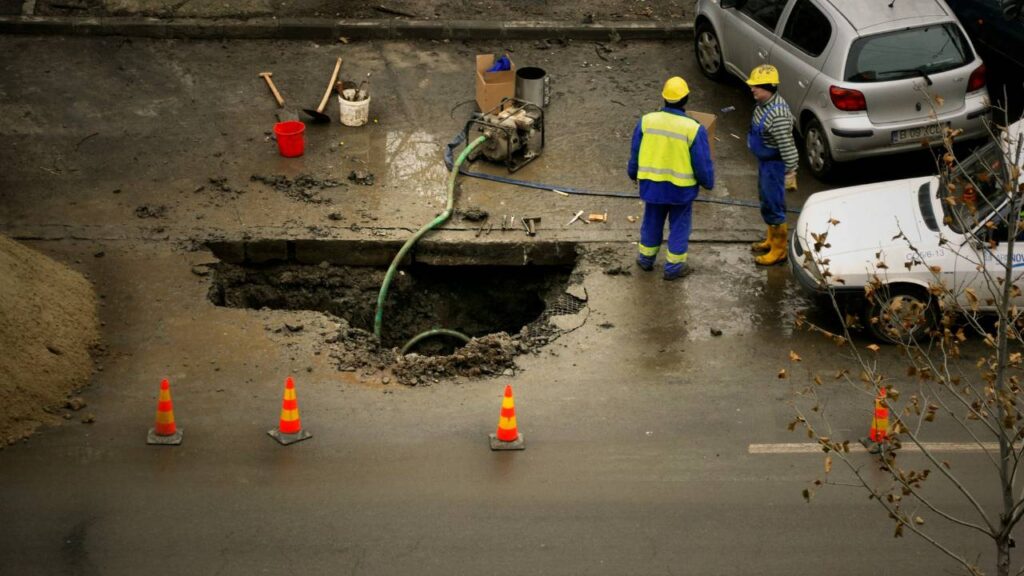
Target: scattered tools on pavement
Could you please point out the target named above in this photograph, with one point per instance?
(318, 115)
(575, 217)
(530, 223)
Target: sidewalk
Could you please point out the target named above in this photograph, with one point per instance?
(318, 20)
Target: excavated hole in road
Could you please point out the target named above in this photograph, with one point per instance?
(506, 310)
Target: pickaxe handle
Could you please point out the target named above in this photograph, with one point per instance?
(330, 86)
(277, 95)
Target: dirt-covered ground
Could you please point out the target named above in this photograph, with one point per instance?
(48, 327)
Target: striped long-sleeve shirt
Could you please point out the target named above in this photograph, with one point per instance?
(778, 129)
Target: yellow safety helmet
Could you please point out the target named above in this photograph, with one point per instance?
(675, 90)
(764, 74)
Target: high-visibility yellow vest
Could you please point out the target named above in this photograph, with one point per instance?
(665, 148)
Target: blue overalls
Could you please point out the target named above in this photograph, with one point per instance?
(771, 173)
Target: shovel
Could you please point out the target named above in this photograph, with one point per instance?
(318, 115)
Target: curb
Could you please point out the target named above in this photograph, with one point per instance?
(323, 29)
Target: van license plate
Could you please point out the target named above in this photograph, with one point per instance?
(929, 131)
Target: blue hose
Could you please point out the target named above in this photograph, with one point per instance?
(461, 137)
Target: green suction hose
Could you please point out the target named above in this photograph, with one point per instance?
(431, 333)
(383, 296)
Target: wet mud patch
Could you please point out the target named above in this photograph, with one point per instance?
(504, 310)
(304, 188)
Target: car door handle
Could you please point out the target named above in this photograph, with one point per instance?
(802, 83)
(762, 54)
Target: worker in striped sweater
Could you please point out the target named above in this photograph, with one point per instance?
(771, 140)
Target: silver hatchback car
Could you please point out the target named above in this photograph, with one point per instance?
(863, 77)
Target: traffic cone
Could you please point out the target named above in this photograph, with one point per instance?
(165, 432)
(507, 437)
(289, 430)
(878, 434)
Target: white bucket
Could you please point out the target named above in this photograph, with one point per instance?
(354, 113)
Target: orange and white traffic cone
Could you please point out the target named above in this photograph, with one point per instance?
(165, 432)
(289, 430)
(878, 434)
(507, 437)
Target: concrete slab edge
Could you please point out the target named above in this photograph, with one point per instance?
(324, 29)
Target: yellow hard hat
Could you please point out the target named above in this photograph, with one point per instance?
(764, 74)
(675, 90)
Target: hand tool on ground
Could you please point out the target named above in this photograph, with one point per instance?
(282, 114)
(318, 115)
(531, 225)
(575, 218)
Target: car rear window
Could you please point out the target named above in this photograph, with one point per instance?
(907, 53)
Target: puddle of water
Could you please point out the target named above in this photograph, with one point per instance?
(416, 157)
(735, 296)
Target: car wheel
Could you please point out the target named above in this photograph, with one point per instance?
(708, 51)
(816, 150)
(898, 314)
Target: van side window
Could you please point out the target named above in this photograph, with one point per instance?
(766, 12)
(807, 28)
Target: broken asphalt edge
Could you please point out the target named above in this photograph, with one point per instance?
(326, 29)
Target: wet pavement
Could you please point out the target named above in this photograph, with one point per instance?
(637, 422)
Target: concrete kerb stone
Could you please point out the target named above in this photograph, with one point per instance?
(536, 253)
(420, 29)
(348, 252)
(263, 251)
(325, 29)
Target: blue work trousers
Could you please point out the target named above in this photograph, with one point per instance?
(680, 217)
(771, 190)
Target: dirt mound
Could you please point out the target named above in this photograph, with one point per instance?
(48, 325)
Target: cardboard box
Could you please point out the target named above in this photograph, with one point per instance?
(708, 121)
(491, 87)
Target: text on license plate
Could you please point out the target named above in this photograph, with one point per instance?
(928, 131)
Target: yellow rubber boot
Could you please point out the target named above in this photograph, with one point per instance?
(764, 245)
(778, 236)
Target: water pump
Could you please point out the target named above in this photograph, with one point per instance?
(514, 131)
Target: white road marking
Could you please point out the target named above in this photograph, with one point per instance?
(811, 448)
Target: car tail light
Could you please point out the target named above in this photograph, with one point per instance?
(977, 80)
(846, 99)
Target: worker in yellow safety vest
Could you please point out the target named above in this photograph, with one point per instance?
(671, 160)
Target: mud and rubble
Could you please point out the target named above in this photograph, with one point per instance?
(303, 188)
(504, 311)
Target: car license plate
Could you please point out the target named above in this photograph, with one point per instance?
(929, 131)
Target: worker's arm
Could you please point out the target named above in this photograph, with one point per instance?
(634, 153)
(700, 158)
(781, 129)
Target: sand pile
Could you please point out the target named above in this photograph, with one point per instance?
(48, 325)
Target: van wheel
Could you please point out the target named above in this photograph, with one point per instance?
(709, 51)
(898, 314)
(816, 150)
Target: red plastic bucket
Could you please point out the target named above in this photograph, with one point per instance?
(290, 140)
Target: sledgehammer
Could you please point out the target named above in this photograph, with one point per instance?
(282, 114)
